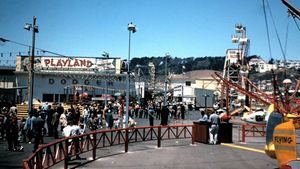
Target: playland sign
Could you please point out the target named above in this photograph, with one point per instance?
(68, 62)
(59, 63)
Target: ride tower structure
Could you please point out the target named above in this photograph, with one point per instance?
(235, 67)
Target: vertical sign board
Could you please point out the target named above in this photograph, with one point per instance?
(140, 88)
(284, 138)
(275, 119)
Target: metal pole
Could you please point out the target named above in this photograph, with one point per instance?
(166, 74)
(127, 82)
(139, 90)
(205, 103)
(31, 76)
(182, 85)
(105, 80)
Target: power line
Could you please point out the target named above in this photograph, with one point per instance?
(22, 44)
(286, 35)
(267, 28)
(295, 21)
(276, 31)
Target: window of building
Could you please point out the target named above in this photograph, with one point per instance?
(63, 97)
(110, 83)
(56, 98)
(48, 98)
(188, 83)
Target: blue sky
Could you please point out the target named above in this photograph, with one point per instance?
(183, 28)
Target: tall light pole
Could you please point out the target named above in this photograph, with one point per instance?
(34, 29)
(182, 85)
(205, 102)
(166, 78)
(106, 56)
(139, 89)
(132, 29)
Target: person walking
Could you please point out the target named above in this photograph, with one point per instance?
(182, 111)
(63, 120)
(164, 115)
(151, 113)
(86, 114)
(55, 123)
(12, 131)
(51, 111)
(109, 118)
(38, 126)
(92, 123)
(2, 126)
(73, 130)
(214, 120)
(29, 128)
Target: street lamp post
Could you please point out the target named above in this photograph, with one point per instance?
(205, 101)
(166, 78)
(106, 55)
(139, 88)
(132, 29)
(31, 60)
(182, 85)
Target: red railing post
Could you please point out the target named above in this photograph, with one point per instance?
(66, 153)
(159, 137)
(94, 145)
(193, 134)
(126, 139)
(39, 159)
(25, 164)
(243, 133)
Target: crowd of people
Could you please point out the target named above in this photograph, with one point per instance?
(59, 120)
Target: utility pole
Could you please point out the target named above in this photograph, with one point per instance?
(139, 89)
(31, 63)
(166, 78)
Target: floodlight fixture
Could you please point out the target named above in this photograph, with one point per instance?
(131, 27)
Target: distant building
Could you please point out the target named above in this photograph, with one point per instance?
(8, 87)
(261, 66)
(290, 64)
(185, 85)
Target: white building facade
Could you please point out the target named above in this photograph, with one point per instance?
(59, 79)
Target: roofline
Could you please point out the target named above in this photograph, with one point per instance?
(97, 57)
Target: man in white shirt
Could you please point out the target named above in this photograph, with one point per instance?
(214, 128)
(73, 130)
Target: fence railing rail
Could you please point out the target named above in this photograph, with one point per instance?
(61, 150)
(253, 130)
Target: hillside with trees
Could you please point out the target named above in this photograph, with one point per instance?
(175, 64)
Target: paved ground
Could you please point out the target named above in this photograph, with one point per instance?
(172, 154)
(180, 155)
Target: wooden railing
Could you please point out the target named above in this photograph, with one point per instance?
(62, 150)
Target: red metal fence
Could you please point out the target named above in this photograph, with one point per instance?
(253, 130)
(50, 154)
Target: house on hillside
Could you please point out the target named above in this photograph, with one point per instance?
(261, 66)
